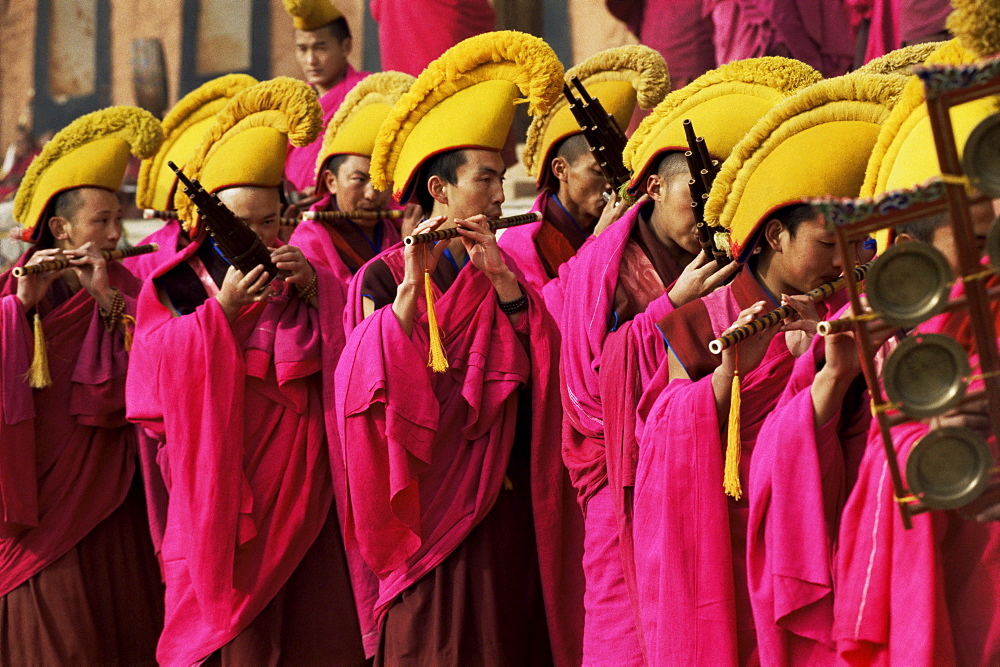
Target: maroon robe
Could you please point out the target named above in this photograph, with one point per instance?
(77, 575)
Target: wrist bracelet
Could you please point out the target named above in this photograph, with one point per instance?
(516, 306)
(113, 315)
(311, 289)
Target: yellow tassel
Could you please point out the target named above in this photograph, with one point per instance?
(731, 477)
(437, 360)
(507, 484)
(38, 373)
(128, 324)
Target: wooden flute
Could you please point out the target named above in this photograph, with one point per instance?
(327, 216)
(64, 263)
(154, 214)
(452, 232)
(770, 319)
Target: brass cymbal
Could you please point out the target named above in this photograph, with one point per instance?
(981, 156)
(993, 244)
(926, 375)
(908, 283)
(949, 467)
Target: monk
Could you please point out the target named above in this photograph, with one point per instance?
(252, 554)
(78, 579)
(323, 43)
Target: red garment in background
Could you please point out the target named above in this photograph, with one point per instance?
(442, 23)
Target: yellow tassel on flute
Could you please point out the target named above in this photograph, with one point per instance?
(38, 373)
(437, 360)
(731, 476)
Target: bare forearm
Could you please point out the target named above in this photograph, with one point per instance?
(508, 289)
(404, 306)
(828, 391)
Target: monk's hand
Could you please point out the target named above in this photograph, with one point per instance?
(747, 353)
(291, 260)
(484, 253)
(972, 415)
(32, 288)
(419, 258)
(614, 210)
(800, 326)
(240, 290)
(413, 214)
(92, 269)
(701, 276)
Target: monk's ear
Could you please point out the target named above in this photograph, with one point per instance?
(654, 187)
(902, 237)
(560, 168)
(772, 233)
(437, 187)
(330, 180)
(346, 45)
(59, 227)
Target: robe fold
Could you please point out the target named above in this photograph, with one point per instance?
(300, 164)
(427, 452)
(612, 280)
(67, 462)
(800, 476)
(244, 457)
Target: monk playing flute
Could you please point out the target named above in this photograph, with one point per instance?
(78, 577)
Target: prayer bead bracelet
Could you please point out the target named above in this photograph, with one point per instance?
(311, 289)
(114, 314)
(516, 306)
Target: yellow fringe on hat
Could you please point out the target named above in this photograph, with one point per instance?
(139, 128)
(869, 98)
(784, 74)
(976, 25)
(38, 373)
(900, 61)
(286, 104)
(437, 360)
(639, 65)
(190, 109)
(379, 88)
(731, 473)
(522, 59)
(311, 14)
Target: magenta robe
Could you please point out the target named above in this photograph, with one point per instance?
(800, 475)
(441, 24)
(67, 455)
(300, 165)
(426, 452)
(169, 238)
(237, 412)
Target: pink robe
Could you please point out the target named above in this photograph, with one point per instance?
(800, 476)
(300, 164)
(169, 238)
(236, 409)
(441, 24)
(67, 455)
(427, 452)
(591, 284)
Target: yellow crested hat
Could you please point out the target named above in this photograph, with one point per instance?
(248, 140)
(92, 151)
(620, 78)
(814, 144)
(183, 128)
(355, 125)
(722, 104)
(900, 61)
(464, 99)
(311, 14)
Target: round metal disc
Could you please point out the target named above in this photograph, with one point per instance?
(949, 467)
(993, 244)
(908, 283)
(981, 156)
(926, 375)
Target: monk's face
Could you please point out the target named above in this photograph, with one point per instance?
(258, 208)
(351, 184)
(478, 188)
(806, 259)
(673, 217)
(944, 240)
(582, 187)
(96, 218)
(322, 57)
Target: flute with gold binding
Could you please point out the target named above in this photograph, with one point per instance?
(770, 319)
(64, 263)
(153, 214)
(452, 232)
(327, 216)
